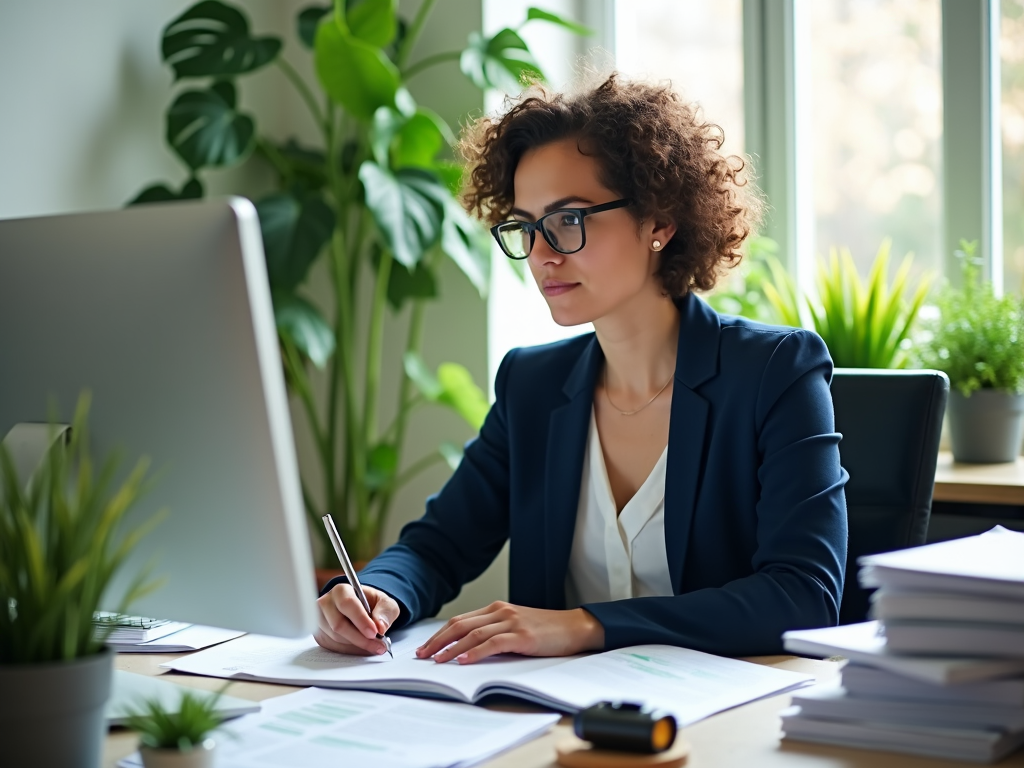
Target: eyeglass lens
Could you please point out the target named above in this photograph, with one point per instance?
(563, 231)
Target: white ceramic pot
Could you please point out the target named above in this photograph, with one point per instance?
(200, 756)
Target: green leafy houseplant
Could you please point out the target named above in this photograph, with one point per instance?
(187, 729)
(60, 547)
(978, 338)
(864, 324)
(376, 199)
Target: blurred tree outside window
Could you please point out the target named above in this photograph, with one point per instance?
(1011, 55)
(876, 111)
(696, 45)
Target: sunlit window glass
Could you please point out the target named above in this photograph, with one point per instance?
(876, 127)
(696, 45)
(1011, 54)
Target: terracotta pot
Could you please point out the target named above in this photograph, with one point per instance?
(200, 756)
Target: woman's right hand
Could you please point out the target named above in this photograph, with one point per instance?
(344, 626)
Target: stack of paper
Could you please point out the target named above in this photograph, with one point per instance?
(138, 634)
(121, 628)
(942, 671)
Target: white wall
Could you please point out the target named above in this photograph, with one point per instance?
(82, 100)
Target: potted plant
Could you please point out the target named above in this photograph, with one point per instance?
(376, 198)
(978, 341)
(60, 545)
(863, 324)
(178, 738)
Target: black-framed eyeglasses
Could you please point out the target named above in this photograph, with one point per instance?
(562, 229)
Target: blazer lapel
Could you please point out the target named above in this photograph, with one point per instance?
(696, 362)
(567, 443)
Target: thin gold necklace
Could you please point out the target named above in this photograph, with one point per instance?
(608, 397)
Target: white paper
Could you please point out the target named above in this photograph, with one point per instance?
(689, 684)
(866, 643)
(318, 728)
(990, 563)
(192, 638)
(303, 662)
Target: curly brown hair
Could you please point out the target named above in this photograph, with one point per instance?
(650, 146)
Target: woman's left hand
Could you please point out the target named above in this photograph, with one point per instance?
(505, 628)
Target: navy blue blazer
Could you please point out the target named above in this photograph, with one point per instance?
(755, 516)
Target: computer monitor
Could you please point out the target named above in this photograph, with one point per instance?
(163, 312)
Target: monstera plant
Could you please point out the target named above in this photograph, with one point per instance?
(375, 198)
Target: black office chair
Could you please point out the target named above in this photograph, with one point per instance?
(890, 421)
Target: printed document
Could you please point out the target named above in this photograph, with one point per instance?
(689, 684)
(317, 728)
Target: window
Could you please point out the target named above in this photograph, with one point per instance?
(698, 46)
(875, 105)
(1011, 55)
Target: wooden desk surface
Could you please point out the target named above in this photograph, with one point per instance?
(745, 737)
(979, 483)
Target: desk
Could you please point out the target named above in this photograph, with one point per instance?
(979, 483)
(745, 737)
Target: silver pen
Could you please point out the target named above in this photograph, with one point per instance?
(350, 572)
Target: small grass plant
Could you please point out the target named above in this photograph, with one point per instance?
(978, 338)
(864, 323)
(61, 544)
(183, 730)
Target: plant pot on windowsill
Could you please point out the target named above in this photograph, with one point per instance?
(986, 428)
(200, 756)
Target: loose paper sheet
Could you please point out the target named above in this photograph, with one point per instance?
(318, 728)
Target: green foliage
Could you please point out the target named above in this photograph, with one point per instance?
(185, 729)
(742, 291)
(864, 324)
(978, 338)
(60, 546)
(377, 193)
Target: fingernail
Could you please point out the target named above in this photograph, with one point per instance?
(462, 658)
(381, 650)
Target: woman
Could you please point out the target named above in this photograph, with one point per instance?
(673, 477)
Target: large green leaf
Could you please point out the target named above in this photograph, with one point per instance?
(295, 230)
(412, 141)
(421, 376)
(538, 14)
(381, 466)
(405, 284)
(462, 238)
(160, 193)
(462, 394)
(409, 220)
(304, 326)
(298, 166)
(211, 39)
(206, 130)
(503, 61)
(355, 74)
(308, 20)
(373, 21)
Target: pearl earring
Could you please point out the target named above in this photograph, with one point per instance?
(656, 245)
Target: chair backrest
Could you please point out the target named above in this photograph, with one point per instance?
(890, 421)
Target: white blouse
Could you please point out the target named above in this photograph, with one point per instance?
(617, 556)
